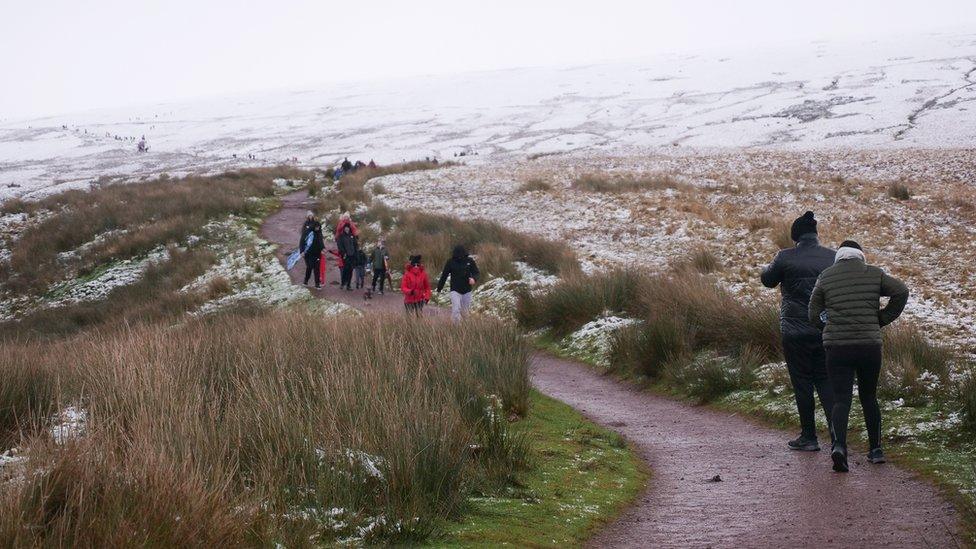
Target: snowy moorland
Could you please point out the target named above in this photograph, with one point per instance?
(901, 93)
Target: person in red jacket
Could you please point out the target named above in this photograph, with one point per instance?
(345, 219)
(415, 286)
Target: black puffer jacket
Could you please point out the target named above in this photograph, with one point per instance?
(795, 271)
(460, 268)
(348, 247)
(318, 244)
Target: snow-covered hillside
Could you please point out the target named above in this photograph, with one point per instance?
(912, 92)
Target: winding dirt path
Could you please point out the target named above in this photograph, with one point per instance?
(768, 496)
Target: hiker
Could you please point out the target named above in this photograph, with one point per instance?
(312, 248)
(345, 220)
(464, 275)
(348, 248)
(346, 165)
(337, 174)
(845, 304)
(359, 266)
(381, 257)
(415, 286)
(795, 271)
(372, 164)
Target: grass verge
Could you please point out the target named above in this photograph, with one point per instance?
(583, 477)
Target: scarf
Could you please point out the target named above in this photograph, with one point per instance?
(848, 253)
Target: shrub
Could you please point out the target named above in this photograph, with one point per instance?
(250, 431)
(579, 299)
(899, 190)
(535, 185)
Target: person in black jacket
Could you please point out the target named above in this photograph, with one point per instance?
(795, 271)
(312, 251)
(464, 274)
(348, 249)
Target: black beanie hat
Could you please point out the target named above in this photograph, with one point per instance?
(851, 244)
(803, 225)
(415, 259)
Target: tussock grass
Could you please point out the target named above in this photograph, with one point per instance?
(899, 190)
(535, 185)
(780, 234)
(701, 260)
(692, 330)
(907, 357)
(117, 221)
(603, 183)
(967, 399)
(247, 431)
(155, 296)
(434, 236)
(314, 187)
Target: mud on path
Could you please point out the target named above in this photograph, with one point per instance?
(768, 496)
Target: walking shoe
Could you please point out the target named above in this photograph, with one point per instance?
(876, 456)
(381, 292)
(317, 287)
(804, 444)
(839, 455)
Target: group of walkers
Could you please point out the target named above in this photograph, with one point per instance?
(830, 316)
(347, 167)
(353, 262)
(831, 323)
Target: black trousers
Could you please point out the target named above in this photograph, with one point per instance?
(844, 363)
(379, 274)
(416, 309)
(345, 279)
(806, 363)
(312, 266)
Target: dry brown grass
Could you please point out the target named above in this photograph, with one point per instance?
(899, 190)
(128, 219)
(603, 183)
(246, 431)
(535, 185)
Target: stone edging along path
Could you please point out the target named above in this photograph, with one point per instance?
(768, 496)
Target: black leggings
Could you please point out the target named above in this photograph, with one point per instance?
(844, 363)
(312, 266)
(345, 278)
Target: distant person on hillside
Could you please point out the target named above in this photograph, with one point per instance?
(372, 164)
(464, 274)
(415, 286)
(381, 258)
(795, 271)
(346, 165)
(345, 220)
(337, 174)
(846, 304)
(348, 250)
(311, 245)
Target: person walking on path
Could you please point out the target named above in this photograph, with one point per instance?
(415, 286)
(360, 268)
(311, 244)
(795, 271)
(464, 274)
(345, 220)
(348, 248)
(846, 304)
(380, 258)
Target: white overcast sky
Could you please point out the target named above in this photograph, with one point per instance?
(66, 55)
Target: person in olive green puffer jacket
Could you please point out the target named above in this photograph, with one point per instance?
(846, 304)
